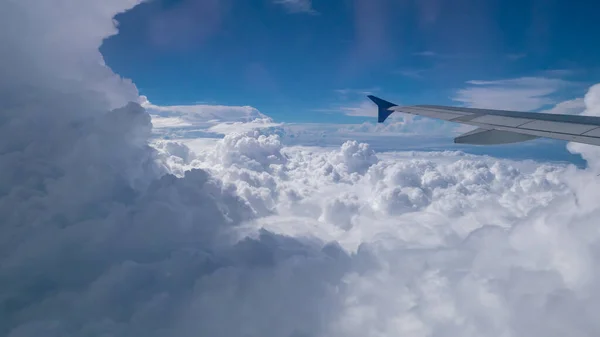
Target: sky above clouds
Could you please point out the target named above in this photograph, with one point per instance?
(128, 213)
(313, 61)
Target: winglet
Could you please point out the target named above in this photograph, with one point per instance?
(383, 107)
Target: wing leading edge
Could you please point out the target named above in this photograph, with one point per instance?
(502, 126)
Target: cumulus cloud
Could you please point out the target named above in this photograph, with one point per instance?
(47, 50)
(439, 244)
(592, 108)
(98, 236)
(520, 94)
(571, 107)
(450, 223)
(201, 124)
(105, 235)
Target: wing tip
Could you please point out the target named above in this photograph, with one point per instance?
(383, 107)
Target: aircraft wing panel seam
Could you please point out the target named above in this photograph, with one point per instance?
(594, 129)
(464, 118)
(520, 125)
(456, 112)
(539, 132)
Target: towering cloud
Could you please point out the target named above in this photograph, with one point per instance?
(105, 235)
(97, 238)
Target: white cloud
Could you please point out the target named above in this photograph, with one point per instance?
(592, 108)
(571, 107)
(199, 125)
(400, 131)
(47, 50)
(520, 94)
(353, 102)
(364, 108)
(191, 121)
(204, 113)
(96, 238)
(592, 101)
(249, 237)
(464, 238)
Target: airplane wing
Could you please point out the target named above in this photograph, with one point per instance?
(501, 126)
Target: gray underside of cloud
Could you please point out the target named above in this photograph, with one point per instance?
(103, 234)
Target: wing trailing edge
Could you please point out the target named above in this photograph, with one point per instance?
(492, 137)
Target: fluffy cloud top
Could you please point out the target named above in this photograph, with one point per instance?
(97, 238)
(592, 108)
(570, 107)
(56, 45)
(442, 244)
(104, 235)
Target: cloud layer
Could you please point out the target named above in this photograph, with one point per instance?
(437, 244)
(105, 235)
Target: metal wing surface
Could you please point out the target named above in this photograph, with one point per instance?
(502, 126)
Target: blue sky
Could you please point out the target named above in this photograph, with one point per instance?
(315, 62)
(303, 62)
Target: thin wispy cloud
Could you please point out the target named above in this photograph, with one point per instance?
(522, 94)
(559, 72)
(426, 53)
(364, 109)
(353, 102)
(515, 57)
(412, 73)
(360, 109)
(297, 6)
(441, 55)
(361, 92)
